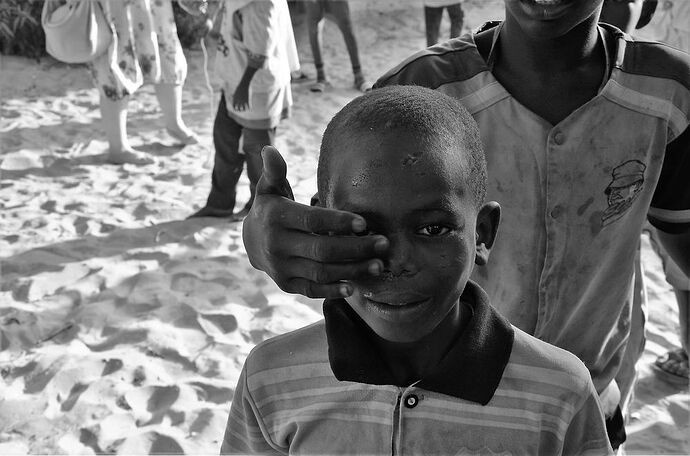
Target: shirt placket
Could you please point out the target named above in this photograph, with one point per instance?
(408, 399)
(555, 213)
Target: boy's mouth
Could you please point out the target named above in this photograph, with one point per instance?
(545, 9)
(396, 307)
(395, 299)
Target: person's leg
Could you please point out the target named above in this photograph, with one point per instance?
(456, 16)
(339, 11)
(254, 141)
(114, 117)
(314, 13)
(227, 167)
(170, 100)
(432, 22)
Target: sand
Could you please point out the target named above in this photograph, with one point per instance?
(123, 326)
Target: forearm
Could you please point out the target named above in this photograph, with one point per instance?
(248, 74)
(678, 248)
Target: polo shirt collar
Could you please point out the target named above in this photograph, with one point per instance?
(471, 370)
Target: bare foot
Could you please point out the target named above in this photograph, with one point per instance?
(130, 156)
(184, 135)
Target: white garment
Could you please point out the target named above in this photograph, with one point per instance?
(260, 28)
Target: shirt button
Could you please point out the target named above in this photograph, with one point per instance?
(556, 211)
(411, 401)
(559, 138)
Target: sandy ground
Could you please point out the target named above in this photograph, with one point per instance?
(123, 326)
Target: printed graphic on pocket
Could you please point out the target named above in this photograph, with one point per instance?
(626, 184)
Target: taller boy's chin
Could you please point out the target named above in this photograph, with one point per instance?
(548, 20)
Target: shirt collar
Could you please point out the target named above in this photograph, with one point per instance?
(471, 370)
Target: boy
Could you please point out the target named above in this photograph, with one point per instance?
(586, 135)
(415, 360)
(256, 54)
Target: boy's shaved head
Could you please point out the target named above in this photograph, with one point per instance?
(427, 114)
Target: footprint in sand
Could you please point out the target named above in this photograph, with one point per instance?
(150, 443)
(211, 393)
(111, 365)
(151, 403)
(73, 397)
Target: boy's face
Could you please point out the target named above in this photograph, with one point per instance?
(550, 18)
(415, 194)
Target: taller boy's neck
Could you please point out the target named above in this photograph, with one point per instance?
(548, 55)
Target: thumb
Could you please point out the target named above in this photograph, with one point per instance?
(273, 178)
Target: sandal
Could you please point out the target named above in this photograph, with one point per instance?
(318, 86)
(673, 366)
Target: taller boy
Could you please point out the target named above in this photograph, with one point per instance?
(586, 134)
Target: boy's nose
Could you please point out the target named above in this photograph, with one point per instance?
(400, 261)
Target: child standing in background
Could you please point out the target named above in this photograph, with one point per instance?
(339, 12)
(256, 54)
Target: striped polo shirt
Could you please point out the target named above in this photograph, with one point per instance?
(575, 195)
(324, 389)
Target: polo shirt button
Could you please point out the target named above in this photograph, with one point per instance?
(559, 138)
(411, 401)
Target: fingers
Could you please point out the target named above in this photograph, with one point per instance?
(317, 290)
(273, 178)
(329, 273)
(314, 219)
(319, 280)
(338, 249)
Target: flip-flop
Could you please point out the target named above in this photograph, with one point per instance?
(318, 86)
(663, 362)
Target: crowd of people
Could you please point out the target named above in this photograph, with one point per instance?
(553, 121)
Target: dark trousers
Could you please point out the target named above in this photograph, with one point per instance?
(229, 162)
(432, 19)
(339, 12)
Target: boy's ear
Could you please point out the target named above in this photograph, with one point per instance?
(488, 217)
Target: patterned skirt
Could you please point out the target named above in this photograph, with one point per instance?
(145, 48)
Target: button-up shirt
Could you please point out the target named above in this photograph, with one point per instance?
(325, 389)
(574, 195)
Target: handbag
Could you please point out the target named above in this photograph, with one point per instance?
(76, 31)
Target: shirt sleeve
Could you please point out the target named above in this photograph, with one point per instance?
(243, 433)
(260, 31)
(670, 208)
(586, 434)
